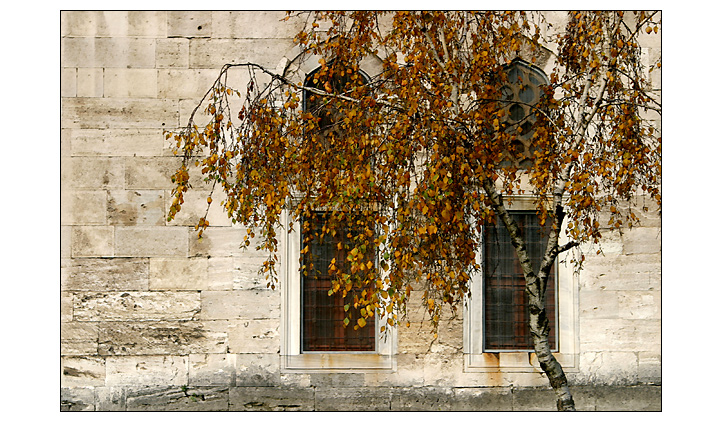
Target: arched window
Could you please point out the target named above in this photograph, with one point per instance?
(522, 91)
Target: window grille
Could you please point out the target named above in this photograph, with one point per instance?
(506, 313)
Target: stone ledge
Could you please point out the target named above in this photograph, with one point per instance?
(284, 398)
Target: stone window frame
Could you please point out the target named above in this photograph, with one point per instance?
(383, 359)
(477, 360)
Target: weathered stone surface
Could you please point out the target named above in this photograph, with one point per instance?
(82, 372)
(90, 82)
(117, 52)
(114, 23)
(115, 142)
(171, 52)
(84, 208)
(151, 241)
(643, 240)
(599, 303)
(482, 399)
(220, 274)
(254, 336)
(271, 398)
(178, 274)
(92, 241)
(160, 338)
(136, 306)
(68, 82)
(191, 398)
(146, 370)
(212, 369)
(222, 241)
(155, 173)
(240, 304)
(422, 399)
(78, 338)
(130, 83)
(349, 399)
(66, 307)
(77, 399)
(186, 83)
(207, 54)
(118, 274)
(650, 368)
(607, 368)
(90, 113)
(110, 399)
(92, 173)
(195, 205)
(136, 207)
(189, 24)
(636, 398)
(245, 24)
(620, 335)
(258, 369)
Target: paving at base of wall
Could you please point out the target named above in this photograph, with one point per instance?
(224, 398)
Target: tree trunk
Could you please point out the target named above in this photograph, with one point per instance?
(535, 290)
(539, 326)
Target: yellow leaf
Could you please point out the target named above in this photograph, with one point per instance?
(361, 322)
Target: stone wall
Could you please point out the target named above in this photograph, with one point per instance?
(154, 319)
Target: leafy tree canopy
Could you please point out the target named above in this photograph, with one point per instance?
(419, 156)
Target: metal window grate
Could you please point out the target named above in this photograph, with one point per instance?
(323, 315)
(506, 314)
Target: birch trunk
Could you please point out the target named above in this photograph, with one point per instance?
(535, 290)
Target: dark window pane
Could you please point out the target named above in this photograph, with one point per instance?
(506, 316)
(323, 315)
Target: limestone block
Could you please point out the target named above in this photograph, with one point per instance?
(483, 399)
(78, 338)
(258, 369)
(90, 113)
(90, 82)
(136, 306)
(625, 272)
(650, 367)
(223, 242)
(423, 399)
(212, 369)
(643, 240)
(189, 24)
(66, 307)
(146, 370)
(115, 142)
(334, 380)
(100, 275)
(110, 399)
(442, 369)
(534, 399)
(255, 24)
(416, 338)
(599, 303)
(65, 236)
(77, 399)
(631, 398)
(116, 52)
(640, 304)
(171, 52)
(114, 23)
(240, 304)
(160, 338)
(156, 173)
(92, 241)
(92, 173)
(83, 208)
(220, 274)
(609, 368)
(348, 399)
(151, 241)
(195, 205)
(271, 398)
(134, 83)
(178, 274)
(68, 82)
(82, 372)
(211, 54)
(620, 335)
(254, 336)
(182, 398)
(186, 83)
(136, 207)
